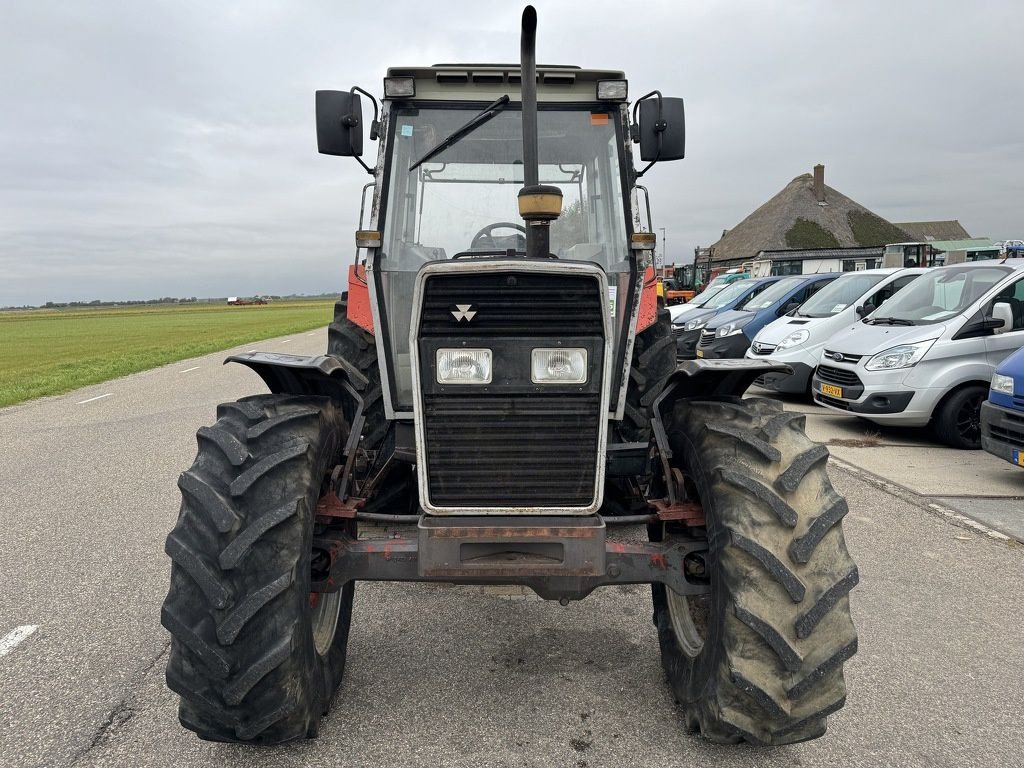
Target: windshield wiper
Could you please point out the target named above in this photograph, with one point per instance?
(891, 321)
(474, 122)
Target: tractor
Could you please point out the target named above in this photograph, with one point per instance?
(500, 393)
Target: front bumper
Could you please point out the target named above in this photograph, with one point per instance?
(686, 343)
(1002, 432)
(725, 347)
(879, 396)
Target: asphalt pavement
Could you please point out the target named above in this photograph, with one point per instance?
(453, 676)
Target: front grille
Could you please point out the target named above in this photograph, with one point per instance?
(512, 304)
(762, 349)
(1011, 436)
(832, 401)
(838, 376)
(511, 451)
(847, 358)
(706, 337)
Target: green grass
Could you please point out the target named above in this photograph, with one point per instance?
(47, 352)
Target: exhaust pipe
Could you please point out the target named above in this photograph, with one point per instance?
(538, 205)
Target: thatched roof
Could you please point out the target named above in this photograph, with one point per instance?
(926, 231)
(794, 218)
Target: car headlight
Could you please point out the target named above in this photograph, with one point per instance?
(729, 329)
(696, 325)
(795, 339)
(558, 366)
(903, 356)
(1001, 383)
(463, 366)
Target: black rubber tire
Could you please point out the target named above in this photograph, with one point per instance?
(777, 625)
(962, 406)
(348, 341)
(654, 360)
(242, 654)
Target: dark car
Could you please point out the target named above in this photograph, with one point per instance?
(686, 329)
(729, 334)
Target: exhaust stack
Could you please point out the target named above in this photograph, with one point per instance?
(538, 205)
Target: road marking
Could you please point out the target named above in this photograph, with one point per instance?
(189, 369)
(286, 341)
(311, 334)
(98, 397)
(11, 640)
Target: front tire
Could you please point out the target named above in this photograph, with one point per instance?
(654, 360)
(760, 658)
(255, 656)
(958, 419)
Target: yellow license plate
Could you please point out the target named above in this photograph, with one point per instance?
(700, 353)
(828, 389)
(1018, 458)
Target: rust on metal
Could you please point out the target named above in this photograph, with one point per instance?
(689, 512)
(330, 505)
(513, 533)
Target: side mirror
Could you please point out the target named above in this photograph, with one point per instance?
(1003, 313)
(662, 129)
(789, 306)
(339, 123)
(864, 310)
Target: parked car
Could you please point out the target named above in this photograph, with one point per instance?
(1002, 415)
(797, 339)
(698, 301)
(688, 327)
(729, 334)
(928, 355)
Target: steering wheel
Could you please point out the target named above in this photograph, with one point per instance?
(483, 238)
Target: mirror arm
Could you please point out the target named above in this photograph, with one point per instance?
(375, 124)
(659, 128)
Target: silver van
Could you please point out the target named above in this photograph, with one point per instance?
(927, 355)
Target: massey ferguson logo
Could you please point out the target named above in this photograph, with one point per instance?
(463, 312)
(837, 356)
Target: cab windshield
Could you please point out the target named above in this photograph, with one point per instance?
(938, 295)
(463, 201)
(838, 295)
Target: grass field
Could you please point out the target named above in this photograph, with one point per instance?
(46, 352)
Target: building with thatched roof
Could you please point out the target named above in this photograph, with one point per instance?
(926, 231)
(805, 214)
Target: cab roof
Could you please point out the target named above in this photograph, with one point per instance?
(486, 82)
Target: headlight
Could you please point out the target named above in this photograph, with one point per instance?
(729, 329)
(558, 366)
(696, 325)
(795, 339)
(903, 356)
(1001, 383)
(463, 366)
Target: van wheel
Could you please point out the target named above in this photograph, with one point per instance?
(957, 422)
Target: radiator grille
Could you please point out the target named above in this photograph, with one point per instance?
(513, 304)
(838, 376)
(511, 451)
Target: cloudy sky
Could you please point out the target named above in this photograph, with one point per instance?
(167, 148)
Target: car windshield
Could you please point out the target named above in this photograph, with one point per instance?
(838, 295)
(732, 292)
(771, 295)
(939, 295)
(706, 295)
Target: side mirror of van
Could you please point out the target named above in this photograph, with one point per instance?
(790, 306)
(865, 309)
(1003, 313)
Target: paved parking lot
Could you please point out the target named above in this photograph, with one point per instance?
(972, 483)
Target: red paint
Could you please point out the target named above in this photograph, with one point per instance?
(648, 301)
(387, 551)
(359, 298)
(658, 561)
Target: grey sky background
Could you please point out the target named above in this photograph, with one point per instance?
(168, 148)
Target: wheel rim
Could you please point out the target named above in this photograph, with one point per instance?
(968, 419)
(326, 610)
(688, 615)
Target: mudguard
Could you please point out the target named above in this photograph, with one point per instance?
(714, 378)
(323, 375)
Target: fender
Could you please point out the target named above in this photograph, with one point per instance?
(322, 376)
(359, 298)
(648, 314)
(713, 378)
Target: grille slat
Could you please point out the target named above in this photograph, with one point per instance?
(1011, 436)
(838, 376)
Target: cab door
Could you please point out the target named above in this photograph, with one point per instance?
(1008, 340)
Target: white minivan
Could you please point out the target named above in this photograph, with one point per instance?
(798, 338)
(927, 356)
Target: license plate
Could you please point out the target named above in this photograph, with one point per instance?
(700, 353)
(828, 389)
(1018, 458)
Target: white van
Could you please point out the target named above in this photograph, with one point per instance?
(927, 356)
(798, 338)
